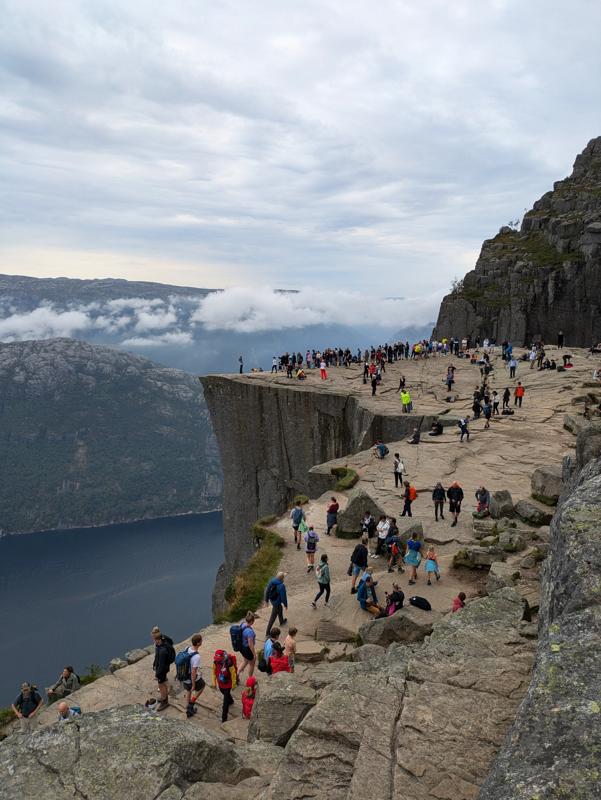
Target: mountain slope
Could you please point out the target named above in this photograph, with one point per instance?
(543, 278)
(92, 435)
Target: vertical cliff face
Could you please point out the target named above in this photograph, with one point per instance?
(543, 278)
(269, 436)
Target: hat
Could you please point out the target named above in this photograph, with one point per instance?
(251, 682)
(25, 686)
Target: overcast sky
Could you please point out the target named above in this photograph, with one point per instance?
(369, 146)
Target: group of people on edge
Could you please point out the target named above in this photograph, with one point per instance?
(29, 702)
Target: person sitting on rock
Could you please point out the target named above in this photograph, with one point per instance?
(65, 685)
(380, 450)
(394, 600)
(458, 602)
(366, 595)
(483, 498)
(277, 661)
(415, 437)
(436, 429)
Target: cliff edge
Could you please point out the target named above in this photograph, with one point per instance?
(546, 277)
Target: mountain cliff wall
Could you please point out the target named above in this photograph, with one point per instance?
(269, 435)
(544, 278)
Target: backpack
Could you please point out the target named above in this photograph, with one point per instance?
(183, 671)
(385, 451)
(400, 468)
(273, 592)
(420, 602)
(170, 652)
(311, 542)
(236, 637)
(223, 666)
(412, 493)
(297, 515)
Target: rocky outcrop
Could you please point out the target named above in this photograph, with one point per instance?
(96, 756)
(546, 277)
(409, 624)
(282, 430)
(547, 484)
(349, 520)
(281, 705)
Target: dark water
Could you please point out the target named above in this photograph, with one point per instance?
(83, 596)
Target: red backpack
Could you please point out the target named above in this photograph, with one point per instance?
(412, 493)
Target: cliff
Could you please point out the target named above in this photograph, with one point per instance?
(92, 435)
(270, 433)
(543, 278)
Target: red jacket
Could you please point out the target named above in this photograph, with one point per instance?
(247, 704)
(279, 664)
(458, 604)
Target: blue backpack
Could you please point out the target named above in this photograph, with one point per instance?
(183, 671)
(236, 637)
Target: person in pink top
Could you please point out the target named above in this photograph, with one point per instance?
(458, 602)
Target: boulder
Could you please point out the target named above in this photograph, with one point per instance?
(528, 561)
(135, 655)
(410, 624)
(574, 423)
(501, 504)
(310, 652)
(489, 541)
(504, 523)
(367, 652)
(340, 621)
(483, 527)
(144, 755)
(511, 541)
(318, 675)
(281, 704)
(588, 443)
(477, 557)
(407, 527)
(117, 663)
(533, 514)
(501, 575)
(546, 484)
(349, 520)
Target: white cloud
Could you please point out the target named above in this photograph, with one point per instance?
(174, 337)
(43, 323)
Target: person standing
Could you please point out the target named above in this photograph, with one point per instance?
(241, 362)
(275, 593)
(519, 394)
(413, 556)
(409, 495)
(512, 367)
(332, 515)
(323, 579)
(224, 678)
(374, 385)
(495, 403)
(164, 656)
(27, 706)
(383, 527)
(560, 340)
(274, 364)
(248, 651)
(487, 410)
(464, 427)
(297, 515)
(398, 467)
(358, 561)
(506, 396)
(432, 567)
(439, 499)
(322, 370)
(193, 683)
(311, 539)
(455, 495)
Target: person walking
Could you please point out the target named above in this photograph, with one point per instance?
(398, 467)
(464, 427)
(512, 367)
(27, 706)
(311, 539)
(275, 593)
(487, 410)
(374, 385)
(413, 556)
(297, 515)
(241, 362)
(323, 579)
(432, 564)
(409, 495)
(439, 499)
(332, 515)
(248, 651)
(406, 401)
(192, 680)
(560, 338)
(358, 562)
(506, 396)
(495, 403)
(164, 656)
(518, 395)
(224, 677)
(455, 495)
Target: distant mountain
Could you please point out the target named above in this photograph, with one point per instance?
(91, 435)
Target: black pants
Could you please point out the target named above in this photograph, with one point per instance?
(439, 508)
(276, 611)
(228, 700)
(518, 402)
(397, 478)
(407, 509)
(380, 546)
(512, 372)
(323, 587)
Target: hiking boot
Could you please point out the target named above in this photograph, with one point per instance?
(437, 577)
(298, 546)
(453, 523)
(353, 590)
(314, 605)
(284, 621)
(162, 705)
(390, 569)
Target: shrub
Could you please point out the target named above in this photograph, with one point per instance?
(300, 498)
(246, 589)
(93, 672)
(6, 716)
(347, 478)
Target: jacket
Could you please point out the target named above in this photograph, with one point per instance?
(248, 702)
(279, 664)
(282, 598)
(359, 556)
(224, 677)
(162, 653)
(324, 572)
(438, 494)
(455, 493)
(363, 593)
(68, 685)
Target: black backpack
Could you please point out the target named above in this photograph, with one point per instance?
(274, 592)
(420, 602)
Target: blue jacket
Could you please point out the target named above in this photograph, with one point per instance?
(282, 598)
(363, 593)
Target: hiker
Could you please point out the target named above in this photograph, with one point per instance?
(487, 409)
(495, 403)
(27, 706)
(65, 685)
(455, 495)
(188, 672)
(374, 385)
(560, 340)
(241, 362)
(380, 450)
(368, 526)
(311, 539)
(66, 714)
(464, 427)
(358, 561)
(332, 515)
(323, 579)
(297, 515)
(290, 646)
(394, 543)
(366, 595)
(398, 468)
(274, 364)
(458, 602)
(439, 499)
(409, 495)
(415, 437)
(483, 498)
(512, 366)
(432, 564)
(406, 401)
(275, 593)
(248, 697)
(164, 656)
(413, 556)
(506, 396)
(224, 678)
(436, 428)
(519, 395)
(278, 661)
(322, 370)
(248, 649)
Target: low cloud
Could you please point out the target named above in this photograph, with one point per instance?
(43, 323)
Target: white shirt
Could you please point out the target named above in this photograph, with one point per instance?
(194, 661)
(383, 529)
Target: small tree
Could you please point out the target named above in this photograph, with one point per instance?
(457, 286)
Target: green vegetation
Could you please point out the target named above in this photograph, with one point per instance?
(300, 498)
(245, 592)
(346, 476)
(6, 716)
(93, 672)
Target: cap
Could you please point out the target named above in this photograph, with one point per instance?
(252, 681)
(25, 685)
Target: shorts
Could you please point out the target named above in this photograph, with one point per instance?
(247, 653)
(295, 527)
(199, 685)
(161, 677)
(454, 506)
(357, 570)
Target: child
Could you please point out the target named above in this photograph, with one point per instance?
(458, 602)
(248, 697)
(290, 646)
(432, 564)
(278, 662)
(269, 643)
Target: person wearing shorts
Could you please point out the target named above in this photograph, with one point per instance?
(455, 495)
(248, 650)
(194, 687)
(297, 515)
